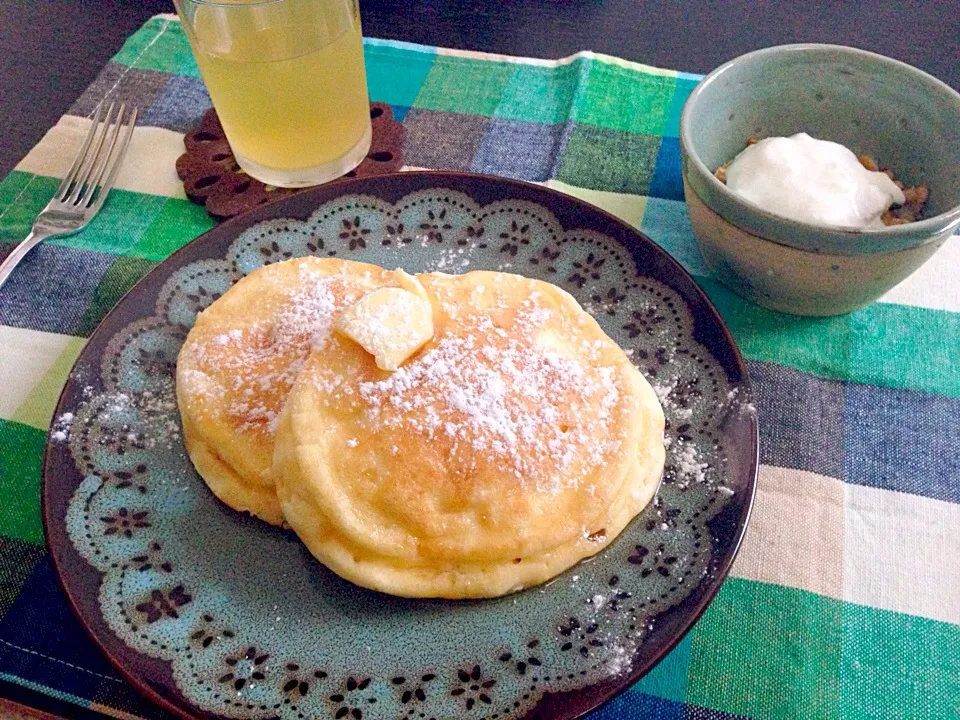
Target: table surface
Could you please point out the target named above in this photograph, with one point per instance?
(55, 49)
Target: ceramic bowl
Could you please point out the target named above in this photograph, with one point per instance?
(903, 117)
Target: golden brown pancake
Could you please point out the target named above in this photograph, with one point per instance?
(519, 440)
(242, 357)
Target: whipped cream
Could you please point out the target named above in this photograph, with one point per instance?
(812, 181)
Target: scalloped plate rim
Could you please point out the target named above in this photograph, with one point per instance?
(551, 704)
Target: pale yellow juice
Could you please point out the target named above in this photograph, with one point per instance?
(287, 79)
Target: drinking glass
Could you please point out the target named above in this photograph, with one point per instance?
(288, 83)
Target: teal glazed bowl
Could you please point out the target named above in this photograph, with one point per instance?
(906, 119)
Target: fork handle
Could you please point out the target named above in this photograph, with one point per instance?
(35, 237)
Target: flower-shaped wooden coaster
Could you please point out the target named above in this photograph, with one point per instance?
(211, 176)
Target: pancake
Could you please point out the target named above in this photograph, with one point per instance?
(242, 357)
(517, 441)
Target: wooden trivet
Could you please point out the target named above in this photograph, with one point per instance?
(211, 176)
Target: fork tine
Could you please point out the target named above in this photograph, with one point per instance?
(71, 175)
(116, 162)
(101, 166)
(91, 157)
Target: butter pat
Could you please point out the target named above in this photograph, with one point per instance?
(390, 323)
(813, 181)
(410, 283)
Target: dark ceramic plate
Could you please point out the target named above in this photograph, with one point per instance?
(213, 614)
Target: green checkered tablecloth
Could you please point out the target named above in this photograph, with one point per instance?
(845, 599)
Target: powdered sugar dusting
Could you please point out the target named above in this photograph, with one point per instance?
(619, 661)
(505, 397)
(60, 431)
(149, 417)
(258, 364)
(307, 316)
(142, 420)
(690, 460)
(689, 464)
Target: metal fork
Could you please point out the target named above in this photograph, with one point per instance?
(85, 187)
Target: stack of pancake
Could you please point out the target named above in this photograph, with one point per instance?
(425, 436)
